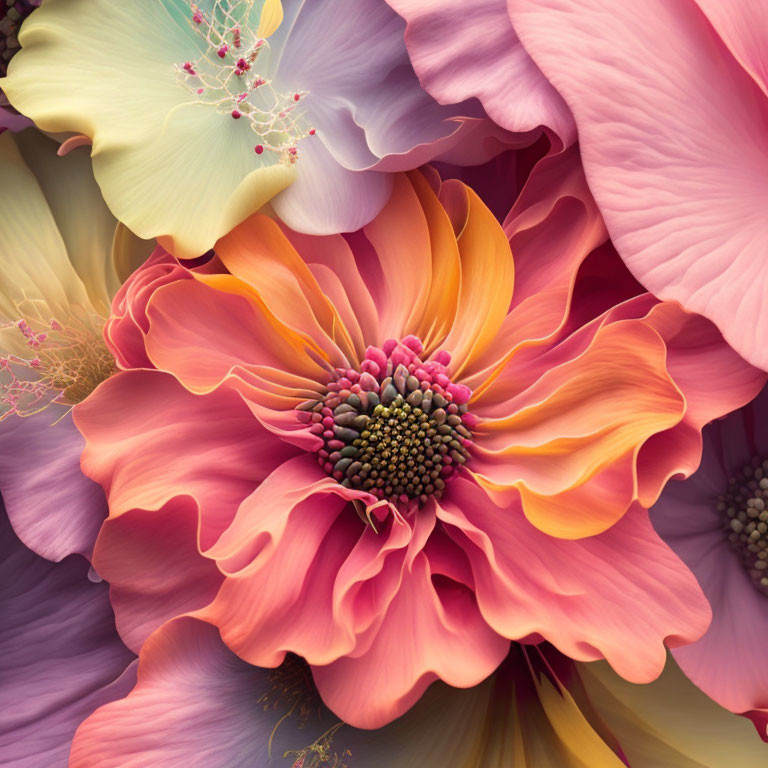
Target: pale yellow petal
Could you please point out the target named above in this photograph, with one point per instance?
(35, 265)
(168, 165)
(670, 723)
(82, 217)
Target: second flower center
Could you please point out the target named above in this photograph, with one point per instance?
(745, 507)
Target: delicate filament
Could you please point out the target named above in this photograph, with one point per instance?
(226, 77)
(67, 360)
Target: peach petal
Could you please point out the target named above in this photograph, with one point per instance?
(430, 623)
(258, 253)
(581, 424)
(280, 557)
(221, 318)
(578, 594)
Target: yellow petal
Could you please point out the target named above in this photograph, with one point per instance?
(487, 276)
(670, 723)
(35, 265)
(168, 165)
(82, 217)
(271, 17)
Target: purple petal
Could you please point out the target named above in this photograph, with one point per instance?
(60, 656)
(54, 509)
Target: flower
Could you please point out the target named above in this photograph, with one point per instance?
(196, 703)
(715, 521)
(201, 113)
(58, 278)
(340, 446)
(670, 104)
(60, 657)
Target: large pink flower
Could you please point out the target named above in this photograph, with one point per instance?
(392, 452)
(670, 104)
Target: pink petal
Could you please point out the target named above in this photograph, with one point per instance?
(431, 624)
(174, 483)
(60, 657)
(619, 595)
(460, 52)
(671, 129)
(280, 558)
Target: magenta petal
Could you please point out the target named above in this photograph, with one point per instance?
(60, 657)
(54, 508)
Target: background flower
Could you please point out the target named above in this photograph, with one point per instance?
(172, 162)
(715, 521)
(461, 52)
(60, 657)
(58, 245)
(198, 704)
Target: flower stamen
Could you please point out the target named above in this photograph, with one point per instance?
(227, 86)
(67, 361)
(398, 428)
(745, 507)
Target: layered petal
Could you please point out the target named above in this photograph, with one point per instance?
(34, 254)
(571, 441)
(53, 507)
(669, 110)
(460, 53)
(195, 704)
(133, 424)
(430, 623)
(60, 657)
(364, 97)
(578, 594)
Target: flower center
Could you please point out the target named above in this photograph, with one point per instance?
(227, 77)
(745, 506)
(398, 428)
(11, 15)
(66, 362)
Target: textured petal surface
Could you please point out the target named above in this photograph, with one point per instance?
(60, 657)
(133, 421)
(462, 52)
(671, 132)
(571, 441)
(578, 594)
(33, 252)
(728, 663)
(53, 507)
(364, 97)
(195, 704)
(155, 142)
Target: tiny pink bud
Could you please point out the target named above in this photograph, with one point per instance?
(222, 52)
(258, 149)
(236, 114)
